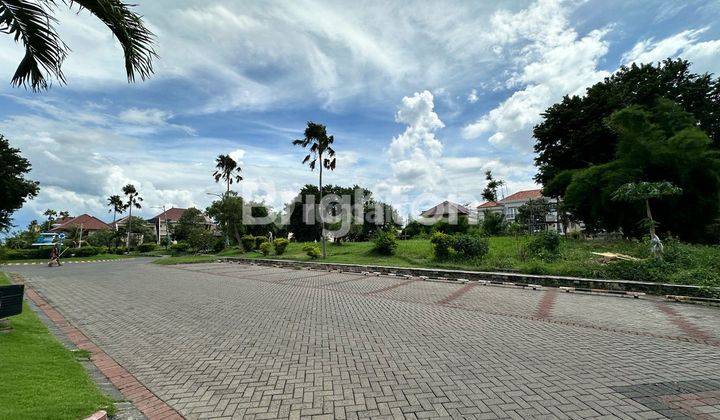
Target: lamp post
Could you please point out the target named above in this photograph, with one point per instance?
(225, 234)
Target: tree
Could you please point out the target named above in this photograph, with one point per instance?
(133, 200)
(116, 206)
(136, 229)
(574, 134)
(192, 219)
(493, 223)
(320, 144)
(532, 215)
(228, 212)
(490, 193)
(14, 188)
(32, 23)
(227, 170)
(644, 192)
(200, 240)
(658, 144)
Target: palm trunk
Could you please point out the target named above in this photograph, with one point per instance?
(129, 226)
(322, 221)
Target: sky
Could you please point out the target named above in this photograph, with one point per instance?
(421, 97)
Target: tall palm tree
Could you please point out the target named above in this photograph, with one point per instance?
(32, 23)
(227, 170)
(320, 144)
(133, 200)
(116, 205)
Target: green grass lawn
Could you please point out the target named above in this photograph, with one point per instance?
(39, 377)
(64, 259)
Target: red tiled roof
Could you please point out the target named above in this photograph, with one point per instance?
(62, 220)
(523, 196)
(172, 215)
(488, 204)
(88, 223)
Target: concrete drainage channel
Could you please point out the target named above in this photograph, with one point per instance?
(634, 289)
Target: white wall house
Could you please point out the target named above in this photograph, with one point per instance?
(510, 204)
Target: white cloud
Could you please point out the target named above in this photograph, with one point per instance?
(704, 56)
(473, 96)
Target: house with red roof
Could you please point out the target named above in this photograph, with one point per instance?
(163, 222)
(84, 225)
(509, 206)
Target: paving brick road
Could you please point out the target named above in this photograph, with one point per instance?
(231, 340)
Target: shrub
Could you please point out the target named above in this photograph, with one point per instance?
(248, 242)
(86, 251)
(265, 248)
(259, 240)
(544, 245)
(471, 246)
(280, 245)
(441, 245)
(312, 251)
(575, 235)
(384, 242)
(120, 250)
(179, 248)
(218, 245)
(493, 223)
(201, 240)
(147, 247)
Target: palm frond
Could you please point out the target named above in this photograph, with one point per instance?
(31, 23)
(127, 26)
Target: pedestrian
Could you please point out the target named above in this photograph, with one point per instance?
(55, 256)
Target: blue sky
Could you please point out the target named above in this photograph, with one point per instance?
(422, 97)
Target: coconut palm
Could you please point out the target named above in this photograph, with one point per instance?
(133, 200)
(321, 153)
(227, 170)
(32, 23)
(116, 205)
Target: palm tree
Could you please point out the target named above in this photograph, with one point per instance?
(320, 144)
(32, 22)
(225, 168)
(133, 200)
(116, 205)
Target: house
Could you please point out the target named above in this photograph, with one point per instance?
(509, 206)
(85, 224)
(163, 222)
(449, 211)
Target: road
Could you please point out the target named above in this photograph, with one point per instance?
(231, 340)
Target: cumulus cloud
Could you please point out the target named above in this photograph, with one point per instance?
(553, 61)
(473, 96)
(705, 55)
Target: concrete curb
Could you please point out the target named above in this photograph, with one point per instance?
(569, 284)
(100, 415)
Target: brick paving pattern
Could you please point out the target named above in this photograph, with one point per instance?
(241, 341)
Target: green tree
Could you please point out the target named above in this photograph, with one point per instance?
(192, 219)
(490, 193)
(493, 223)
(533, 214)
(135, 230)
(228, 212)
(133, 200)
(227, 170)
(32, 23)
(116, 206)
(319, 143)
(574, 134)
(658, 144)
(14, 188)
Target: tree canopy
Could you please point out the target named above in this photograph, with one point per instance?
(14, 188)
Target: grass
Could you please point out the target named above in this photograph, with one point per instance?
(41, 379)
(63, 259)
(683, 263)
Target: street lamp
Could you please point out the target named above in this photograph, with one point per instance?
(225, 235)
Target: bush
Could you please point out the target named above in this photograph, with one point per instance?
(575, 235)
(86, 251)
(147, 247)
(441, 245)
(280, 245)
(312, 251)
(121, 250)
(179, 248)
(265, 248)
(384, 242)
(259, 240)
(493, 224)
(248, 242)
(544, 245)
(471, 246)
(218, 245)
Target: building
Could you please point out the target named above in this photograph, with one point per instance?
(449, 212)
(84, 224)
(509, 206)
(163, 222)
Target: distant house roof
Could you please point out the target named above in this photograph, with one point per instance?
(445, 208)
(88, 223)
(488, 204)
(62, 220)
(523, 196)
(171, 215)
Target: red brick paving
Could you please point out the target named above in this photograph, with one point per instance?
(391, 287)
(685, 326)
(145, 401)
(456, 294)
(546, 304)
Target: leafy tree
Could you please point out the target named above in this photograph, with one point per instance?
(319, 143)
(493, 223)
(658, 144)
(228, 212)
(14, 188)
(106, 237)
(533, 213)
(573, 134)
(116, 206)
(136, 229)
(490, 193)
(32, 23)
(200, 240)
(191, 220)
(133, 200)
(259, 210)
